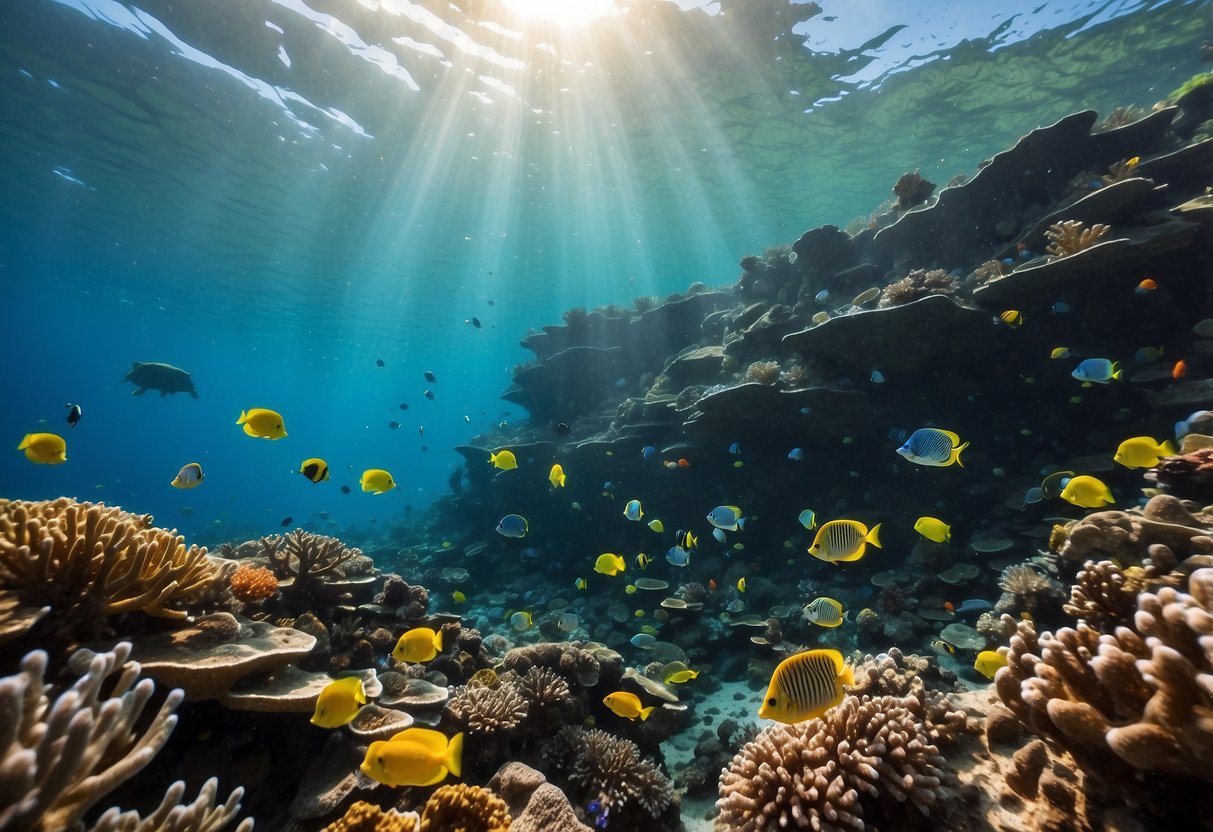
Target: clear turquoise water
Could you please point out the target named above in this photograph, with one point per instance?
(175, 191)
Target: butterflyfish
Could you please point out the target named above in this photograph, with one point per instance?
(556, 476)
(677, 556)
(610, 564)
(805, 686)
(521, 621)
(808, 519)
(988, 662)
(420, 644)
(741, 584)
(688, 541)
(414, 757)
(843, 540)
(1012, 318)
(1097, 370)
(190, 476)
(657, 526)
(512, 525)
(1086, 492)
(933, 529)
(73, 414)
(726, 517)
(44, 448)
(932, 446)
(824, 612)
(376, 481)
(1059, 352)
(580, 583)
(643, 560)
(503, 459)
(632, 511)
(262, 423)
(1142, 452)
(458, 597)
(627, 705)
(338, 702)
(315, 469)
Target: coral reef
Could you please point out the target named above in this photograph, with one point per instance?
(608, 771)
(304, 557)
(367, 817)
(763, 372)
(917, 284)
(1071, 236)
(1187, 476)
(463, 808)
(569, 660)
(1026, 588)
(1126, 537)
(61, 756)
(252, 583)
(485, 710)
(911, 189)
(88, 561)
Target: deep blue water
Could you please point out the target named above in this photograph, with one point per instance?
(175, 191)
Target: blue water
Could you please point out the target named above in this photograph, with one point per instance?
(273, 195)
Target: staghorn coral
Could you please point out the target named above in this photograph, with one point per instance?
(88, 561)
(763, 372)
(463, 808)
(987, 272)
(58, 758)
(367, 817)
(867, 760)
(1143, 693)
(253, 583)
(1119, 117)
(1029, 587)
(304, 556)
(918, 283)
(611, 773)
(1071, 236)
(485, 710)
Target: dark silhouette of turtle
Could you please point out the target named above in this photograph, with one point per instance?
(166, 378)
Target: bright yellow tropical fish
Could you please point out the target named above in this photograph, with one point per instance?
(626, 705)
(190, 476)
(458, 597)
(377, 481)
(503, 459)
(44, 448)
(556, 476)
(988, 662)
(843, 540)
(338, 702)
(805, 686)
(1086, 492)
(609, 564)
(262, 423)
(420, 644)
(741, 584)
(657, 526)
(315, 469)
(414, 757)
(934, 529)
(824, 612)
(680, 677)
(1143, 452)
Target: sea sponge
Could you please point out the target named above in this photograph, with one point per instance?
(1071, 236)
(463, 808)
(367, 817)
(87, 561)
(864, 762)
(253, 583)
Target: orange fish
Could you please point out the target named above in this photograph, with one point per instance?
(1146, 286)
(684, 463)
(949, 606)
(712, 584)
(1179, 370)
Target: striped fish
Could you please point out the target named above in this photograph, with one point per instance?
(929, 446)
(805, 686)
(824, 612)
(843, 540)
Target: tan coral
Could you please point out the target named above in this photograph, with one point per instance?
(87, 561)
(1071, 236)
(483, 710)
(542, 686)
(367, 817)
(304, 556)
(611, 768)
(1100, 598)
(1126, 537)
(463, 808)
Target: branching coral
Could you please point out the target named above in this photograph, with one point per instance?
(918, 283)
(542, 686)
(60, 757)
(1144, 692)
(1029, 587)
(865, 761)
(253, 583)
(203, 815)
(763, 372)
(463, 808)
(484, 710)
(569, 660)
(304, 556)
(1099, 597)
(612, 775)
(87, 561)
(1071, 236)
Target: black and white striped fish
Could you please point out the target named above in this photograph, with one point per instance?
(805, 686)
(935, 447)
(824, 612)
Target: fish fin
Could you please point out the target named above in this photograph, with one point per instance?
(956, 455)
(873, 536)
(1116, 369)
(741, 523)
(644, 712)
(24, 442)
(242, 419)
(955, 439)
(438, 640)
(453, 759)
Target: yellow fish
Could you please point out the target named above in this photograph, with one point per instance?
(934, 529)
(580, 583)
(843, 540)
(626, 705)
(824, 612)
(190, 476)
(377, 481)
(315, 469)
(1086, 492)
(680, 677)
(1142, 452)
(689, 541)
(338, 702)
(988, 662)
(1059, 352)
(521, 621)
(419, 644)
(458, 597)
(414, 757)
(942, 646)
(805, 686)
(657, 526)
(609, 564)
(44, 448)
(556, 476)
(630, 589)
(503, 459)
(1012, 318)
(741, 584)
(262, 423)
(643, 560)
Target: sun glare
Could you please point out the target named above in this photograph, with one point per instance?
(564, 12)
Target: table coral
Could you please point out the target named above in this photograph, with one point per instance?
(88, 561)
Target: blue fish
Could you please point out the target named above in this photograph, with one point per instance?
(1098, 370)
(719, 535)
(1008, 261)
(877, 377)
(796, 455)
(678, 556)
(632, 511)
(806, 410)
(973, 605)
(648, 452)
(531, 552)
(1060, 307)
(735, 448)
(727, 517)
(1095, 184)
(808, 519)
(822, 296)
(931, 446)
(512, 525)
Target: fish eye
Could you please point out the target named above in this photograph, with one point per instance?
(379, 759)
(772, 702)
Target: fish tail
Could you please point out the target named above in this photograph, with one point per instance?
(741, 522)
(243, 418)
(24, 442)
(438, 640)
(873, 536)
(1168, 448)
(644, 712)
(956, 455)
(453, 759)
(1115, 369)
